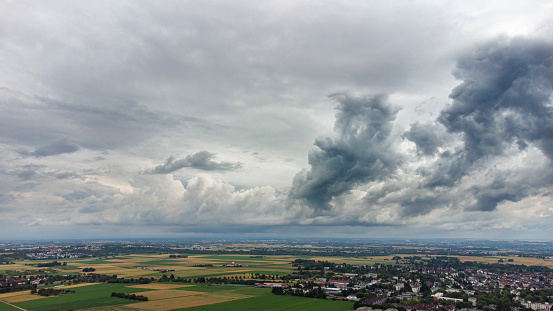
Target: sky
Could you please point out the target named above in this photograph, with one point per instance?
(316, 119)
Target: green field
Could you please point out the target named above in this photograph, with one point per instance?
(5, 307)
(271, 302)
(84, 297)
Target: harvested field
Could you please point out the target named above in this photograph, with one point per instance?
(78, 285)
(19, 296)
(168, 294)
(23, 297)
(26, 295)
(7, 295)
(159, 286)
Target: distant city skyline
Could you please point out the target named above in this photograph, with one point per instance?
(348, 119)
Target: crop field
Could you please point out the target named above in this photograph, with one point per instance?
(19, 296)
(169, 296)
(178, 296)
(150, 265)
(280, 303)
(153, 265)
(94, 295)
(528, 261)
(164, 300)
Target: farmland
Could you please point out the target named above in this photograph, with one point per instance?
(176, 297)
(156, 265)
(163, 296)
(197, 278)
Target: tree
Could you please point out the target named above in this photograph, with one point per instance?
(277, 290)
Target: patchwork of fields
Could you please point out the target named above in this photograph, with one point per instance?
(171, 296)
(180, 296)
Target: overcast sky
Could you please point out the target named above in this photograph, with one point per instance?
(403, 119)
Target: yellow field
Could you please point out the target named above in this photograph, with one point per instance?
(24, 297)
(528, 261)
(201, 299)
(18, 296)
(168, 293)
(19, 266)
(77, 285)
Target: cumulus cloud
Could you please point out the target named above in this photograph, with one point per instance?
(362, 151)
(503, 102)
(200, 160)
(428, 137)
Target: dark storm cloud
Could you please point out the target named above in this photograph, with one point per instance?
(200, 160)
(55, 148)
(362, 151)
(503, 103)
(428, 137)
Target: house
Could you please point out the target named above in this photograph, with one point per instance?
(375, 300)
(342, 284)
(332, 290)
(271, 284)
(423, 307)
(352, 298)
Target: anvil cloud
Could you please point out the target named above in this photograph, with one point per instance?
(339, 119)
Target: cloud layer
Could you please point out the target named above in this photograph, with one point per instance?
(99, 100)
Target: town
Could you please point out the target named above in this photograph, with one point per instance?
(425, 283)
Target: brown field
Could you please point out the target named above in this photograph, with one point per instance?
(168, 294)
(17, 266)
(186, 301)
(24, 297)
(19, 296)
(159, 286)
(7, 295)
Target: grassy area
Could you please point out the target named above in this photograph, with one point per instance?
(6, 307)
(97, 295)
(270, 302)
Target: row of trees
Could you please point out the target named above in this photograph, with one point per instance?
(50, 291)
(129, 296)
(51, 264)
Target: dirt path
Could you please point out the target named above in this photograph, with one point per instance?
(9, 304)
